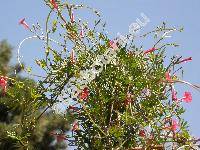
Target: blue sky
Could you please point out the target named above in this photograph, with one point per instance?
(119, 15)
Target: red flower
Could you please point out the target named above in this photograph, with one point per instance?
(113, 45)
(3, 84)
(75, 126)
(82, 33)
(22, 22)
(72, 57)
(142, 133)
(72, 17)
(187, 97)
(175, 125)
(185, 60)
(55, 5)
(150, 50)
(84, 94)
(174, 96)
(168, 77)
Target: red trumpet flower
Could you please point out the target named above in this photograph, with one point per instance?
(82, 33)
(174, 95)
(168, 77)
(150, 50)
(72, 57)
(185, 60)
(23, 23)
(72, 17)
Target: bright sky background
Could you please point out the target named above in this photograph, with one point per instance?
(119, 14)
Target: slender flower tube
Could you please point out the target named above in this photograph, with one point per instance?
(72, 17)
(174, 95)
(23, 23)
(185, 60)
(150, 50)
(72, 59)
(82, 32)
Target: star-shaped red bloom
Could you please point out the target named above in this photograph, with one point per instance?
(185, 60)
(187, 97)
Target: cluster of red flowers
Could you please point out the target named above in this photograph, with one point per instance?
(187, 95)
